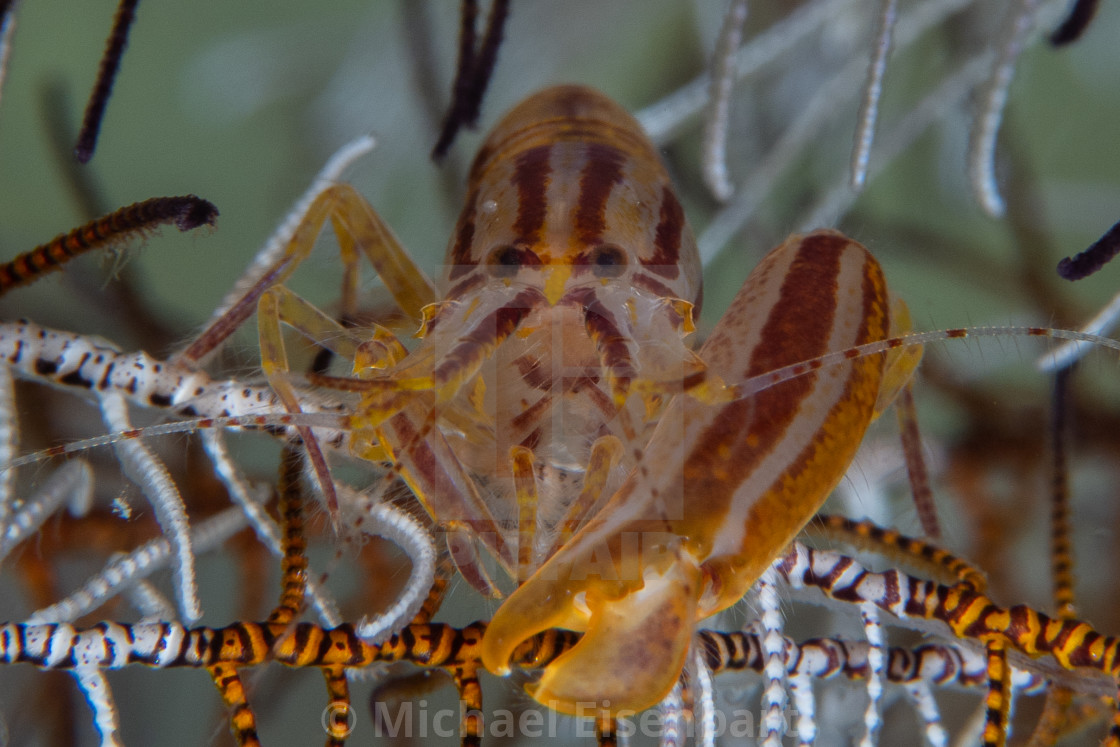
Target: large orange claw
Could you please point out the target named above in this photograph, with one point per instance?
(635, 644)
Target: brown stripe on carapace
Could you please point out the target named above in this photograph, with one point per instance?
(955, 333)
(457, 291)
(693, 380)
(805, 307)
(490, 332)
(598, 398)
(641, 280)
(459, 255)
(667, 239)
(504, 142)
(532, 414)
(531, 176)
(798, 327)
(602, 327)
(532, 372)
(533, 440)
(602, 171)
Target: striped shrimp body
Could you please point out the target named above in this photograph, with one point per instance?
(553, 412)
(572, 278)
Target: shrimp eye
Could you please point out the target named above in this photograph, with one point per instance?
(607, 261)
(504, 261)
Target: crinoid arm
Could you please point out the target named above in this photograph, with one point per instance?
(129, 222)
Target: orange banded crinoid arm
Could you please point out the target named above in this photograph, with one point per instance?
(719, 491)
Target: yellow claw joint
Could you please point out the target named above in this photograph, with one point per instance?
(637, 633)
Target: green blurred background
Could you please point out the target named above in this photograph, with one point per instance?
(241, 103)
